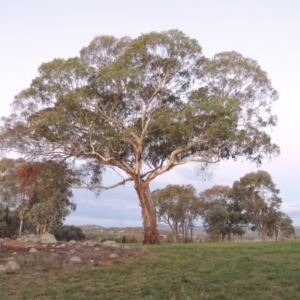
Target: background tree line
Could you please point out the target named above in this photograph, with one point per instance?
(252, 202)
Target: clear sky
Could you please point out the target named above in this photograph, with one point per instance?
(34, 31)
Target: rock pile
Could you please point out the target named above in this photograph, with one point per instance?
(74, 252)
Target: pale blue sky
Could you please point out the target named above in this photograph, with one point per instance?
(34, 31)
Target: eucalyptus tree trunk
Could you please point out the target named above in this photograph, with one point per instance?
(151, 235)
(44, 228)
(264, 232)
(38, 229)
(21, 216)
(229, 236)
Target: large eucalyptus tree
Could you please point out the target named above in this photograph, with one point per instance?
(144, 106)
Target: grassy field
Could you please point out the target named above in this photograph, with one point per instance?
(187, 271)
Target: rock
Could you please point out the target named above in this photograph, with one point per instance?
(12, 266)
(32, 250)
(126, 247)
(44, 246)
(62, 245)
(2, 268)
(15, 253)
(97, 249)
(92, 261)
(75, 259)
(114, 255)
(89, 244)
(72, 251)
(54, 254)
(48, 238)
(116, 245)
(29, 238)
(52, 250)
(1, 240)
(72, 242)
(34, 240)
(109, 243)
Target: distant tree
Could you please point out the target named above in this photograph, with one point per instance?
(282, 227)
(4, 214)
(39, 191)
(142, 107)
(51, 199)
(16, 179)
(177, 206)
(261, 200)
(26, 176)
(222, 215)
(9, 221)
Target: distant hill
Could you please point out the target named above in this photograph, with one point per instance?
(91, 227)
(198, 230)
(297, 230)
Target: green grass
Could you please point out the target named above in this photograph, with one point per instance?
(188, 271)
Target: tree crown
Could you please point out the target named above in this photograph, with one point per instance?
(144, 106)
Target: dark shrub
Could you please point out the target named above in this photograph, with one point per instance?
(68, 233)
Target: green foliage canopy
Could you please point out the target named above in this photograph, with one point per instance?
(146, 104)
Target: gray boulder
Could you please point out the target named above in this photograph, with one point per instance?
(89, 244)
(32, 250)
(29, 238)
(48, 238)
(2, 268)
(114, 255)
(12, 266)
(75, 259)
(109, 243)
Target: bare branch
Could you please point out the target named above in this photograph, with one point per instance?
(91, 187)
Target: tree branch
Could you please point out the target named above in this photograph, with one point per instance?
(103, 187)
